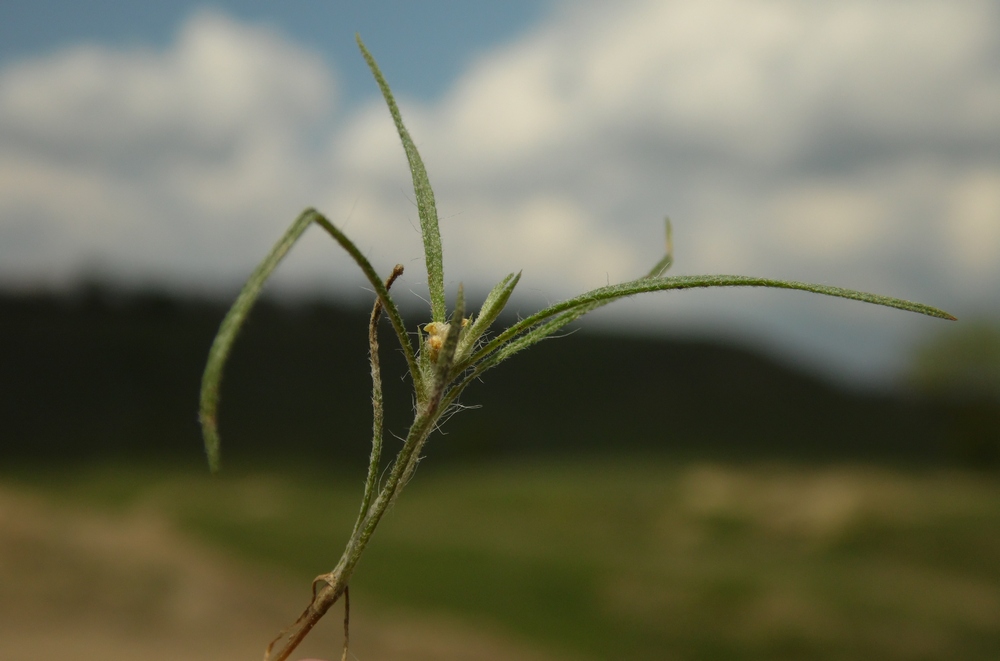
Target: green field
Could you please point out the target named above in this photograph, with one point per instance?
(626, 558)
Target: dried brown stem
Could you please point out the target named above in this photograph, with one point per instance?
(334, 585)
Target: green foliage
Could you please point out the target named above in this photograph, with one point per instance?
(448, 359)
(962, 368)
(627, 558)
(962, 362)
(426, 207)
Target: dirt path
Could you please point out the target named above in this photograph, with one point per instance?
(77, 585)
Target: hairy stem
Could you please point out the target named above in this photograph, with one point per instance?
(371, 481)
(334, 585)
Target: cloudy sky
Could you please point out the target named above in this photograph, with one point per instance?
(848, 143)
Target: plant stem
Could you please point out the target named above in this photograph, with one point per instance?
(335, 583)
(434, 373)
(371, 481)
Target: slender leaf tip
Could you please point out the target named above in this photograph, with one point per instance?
(668, 259)
(426, 206)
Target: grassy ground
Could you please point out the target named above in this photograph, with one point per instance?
(626, 559)
(77, 583)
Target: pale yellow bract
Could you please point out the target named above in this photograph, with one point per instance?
(437, 331)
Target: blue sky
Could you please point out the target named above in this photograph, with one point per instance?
(850, 143)
(445, 33)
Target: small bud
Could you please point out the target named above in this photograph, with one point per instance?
(436, 331)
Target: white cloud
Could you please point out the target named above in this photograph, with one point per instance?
(160, 163)
(854, 143)
(975, 217)
(824, 221)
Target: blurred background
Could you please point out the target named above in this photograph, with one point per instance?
(718, 475)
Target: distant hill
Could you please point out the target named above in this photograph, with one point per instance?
(99, 374)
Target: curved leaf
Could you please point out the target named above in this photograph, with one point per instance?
(234, 319)
(578, 306)
(230, 328)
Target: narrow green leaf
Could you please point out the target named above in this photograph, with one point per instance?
(492, 307)
(447, 357)
(228, 331)
(541, 331)
(426, 207)
(496, 299)
(237, 314)
(597, 297)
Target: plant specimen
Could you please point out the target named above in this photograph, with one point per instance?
(451, 351)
